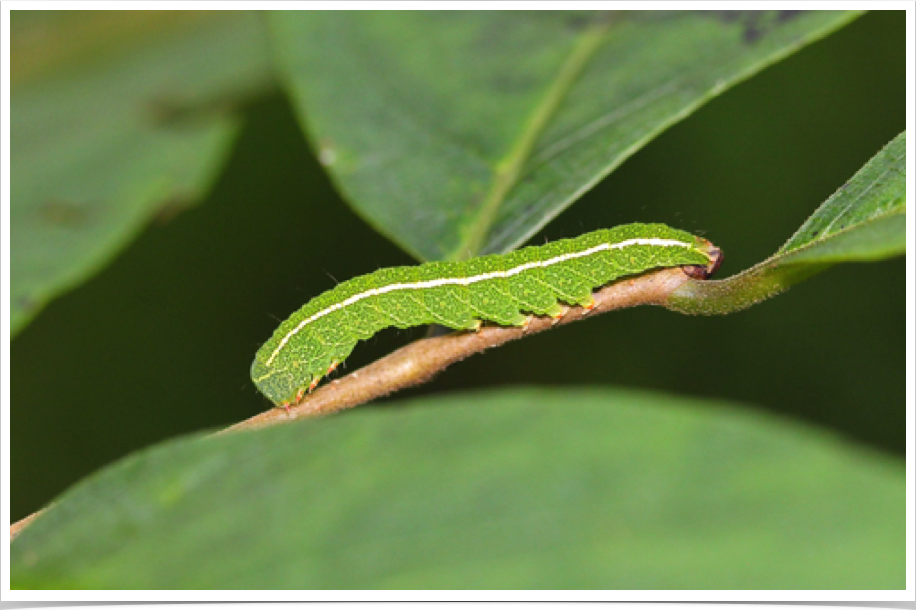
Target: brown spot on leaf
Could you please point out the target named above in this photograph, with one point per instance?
(172, 207)
(756, 24)
(26, 302)
(176, 112)
(64, 213)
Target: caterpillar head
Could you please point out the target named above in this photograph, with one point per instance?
(702, 272)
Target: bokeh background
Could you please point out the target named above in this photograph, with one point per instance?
(159, 343)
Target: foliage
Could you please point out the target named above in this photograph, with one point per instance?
(450, 134)
(514, 489)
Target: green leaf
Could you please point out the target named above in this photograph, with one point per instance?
(456, 134)
(118, 116)
(528, 488)
(863, 221)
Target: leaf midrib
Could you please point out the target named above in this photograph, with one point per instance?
(507, 171)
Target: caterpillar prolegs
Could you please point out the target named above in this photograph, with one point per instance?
(498, 288)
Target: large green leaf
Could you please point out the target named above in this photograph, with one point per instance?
(115, 116)
(461, 133)
(533, 488)
(863, 221)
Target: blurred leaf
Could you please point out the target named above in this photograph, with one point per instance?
(529, 488)
(461, 133)
(863, 221)
(117, 117)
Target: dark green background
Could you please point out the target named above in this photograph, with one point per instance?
(160, 342)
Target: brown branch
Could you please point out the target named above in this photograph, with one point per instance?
(419, 361)
(16, 528)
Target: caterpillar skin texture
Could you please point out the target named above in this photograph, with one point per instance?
(498, 288)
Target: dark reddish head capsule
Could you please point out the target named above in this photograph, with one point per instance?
(702, 272)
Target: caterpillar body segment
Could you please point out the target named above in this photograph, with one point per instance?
(503, 289)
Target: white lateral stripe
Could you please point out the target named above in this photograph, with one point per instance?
(648, 241)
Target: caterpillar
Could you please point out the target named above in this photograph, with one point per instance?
(497, 288)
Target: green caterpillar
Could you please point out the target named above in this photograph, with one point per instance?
(497, 288)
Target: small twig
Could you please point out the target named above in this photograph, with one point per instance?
(417, 362)
(421, 360)
(16, 528)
